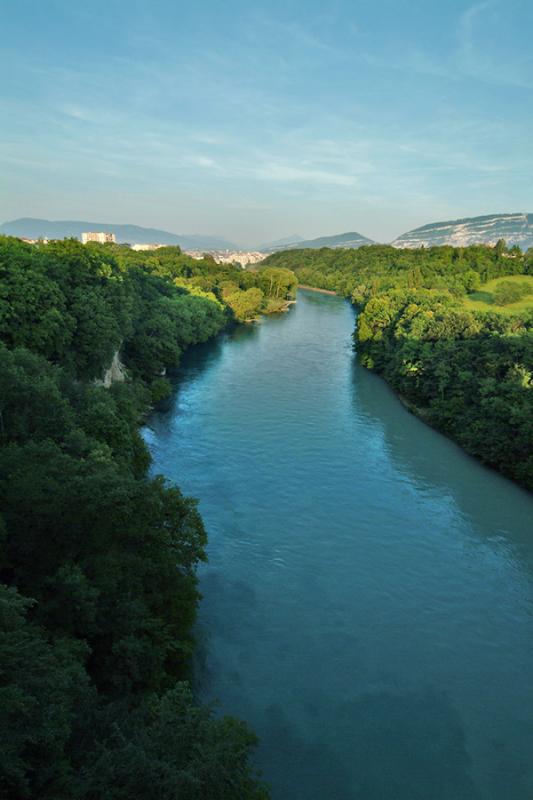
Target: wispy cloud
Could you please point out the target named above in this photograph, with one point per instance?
(278, 113)
(474, 52)
(292, 31)
(478, 28)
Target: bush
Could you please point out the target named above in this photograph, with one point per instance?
(509, 292)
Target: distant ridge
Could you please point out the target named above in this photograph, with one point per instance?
(351, 240)
(30, 228)
(278, 244)
(516, 229)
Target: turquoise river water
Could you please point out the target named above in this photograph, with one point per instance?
(367, 604)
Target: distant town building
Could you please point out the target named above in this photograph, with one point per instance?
(230, 256)
(98, 236)
(32, 241)
(147, 246)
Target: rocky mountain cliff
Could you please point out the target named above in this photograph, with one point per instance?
(514, 228)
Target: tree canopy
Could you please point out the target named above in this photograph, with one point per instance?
(98, 587)
(468, 372)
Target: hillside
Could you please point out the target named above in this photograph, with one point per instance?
(516, 229)
(349, 240)
(280, 244)
(30, 228)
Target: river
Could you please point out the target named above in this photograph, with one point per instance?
(367, 604)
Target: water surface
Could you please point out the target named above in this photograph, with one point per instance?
(367, 605)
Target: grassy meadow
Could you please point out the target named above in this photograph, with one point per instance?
(485, 298)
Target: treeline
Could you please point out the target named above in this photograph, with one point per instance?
(358, 274)
(468, 373)
(98, 591)
(246, 294)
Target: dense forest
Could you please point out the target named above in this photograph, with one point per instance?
(98, 591)
(467, 372)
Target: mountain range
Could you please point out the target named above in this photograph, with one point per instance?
(29, 228)
(516, 229)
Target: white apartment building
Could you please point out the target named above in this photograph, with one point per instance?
(147, 246)
(97, 236)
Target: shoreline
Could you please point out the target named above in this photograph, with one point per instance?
(315, 289)
(421, 413)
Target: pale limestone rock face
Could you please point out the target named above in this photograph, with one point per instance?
(515, 229)
(115, 373)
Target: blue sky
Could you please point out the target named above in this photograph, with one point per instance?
(259, 120)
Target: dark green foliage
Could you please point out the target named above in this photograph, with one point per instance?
(169, 748)
(92, 700)
(360, 273)
(59, 739)
(109, 558)
(468, 373)
(160, 390)
(78, 305)
(66, 302)
(166, 325)
(43, 688)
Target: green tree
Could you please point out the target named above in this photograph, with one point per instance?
(246, 305)
(43, 692)
(171, 748)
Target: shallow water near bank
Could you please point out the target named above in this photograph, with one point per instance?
(367, 605)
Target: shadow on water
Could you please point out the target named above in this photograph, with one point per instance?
(382, 745)
(220, 592)
(196, 361)
(203, 356)
(495, 507)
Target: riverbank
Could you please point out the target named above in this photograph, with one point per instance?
(315, 289)
(278, 307)
(466, 388)
(424, 415)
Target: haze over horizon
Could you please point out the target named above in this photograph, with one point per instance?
(255, 123)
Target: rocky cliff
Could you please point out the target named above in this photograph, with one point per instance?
(514, 228)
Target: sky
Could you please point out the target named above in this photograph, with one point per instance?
(258, 120)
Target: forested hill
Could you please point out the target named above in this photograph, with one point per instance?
(451, 330)
(342, 240)
(98, 588)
